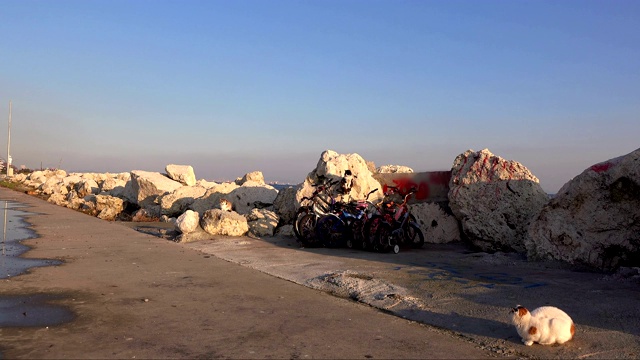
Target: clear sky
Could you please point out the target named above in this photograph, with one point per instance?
(235, 86)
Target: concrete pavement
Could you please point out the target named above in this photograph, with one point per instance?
(257, 298)
(134, 295)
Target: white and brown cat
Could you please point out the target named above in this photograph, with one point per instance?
(545, 325)
(225, 205)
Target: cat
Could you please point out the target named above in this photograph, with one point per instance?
(225, 205)
(545, 325)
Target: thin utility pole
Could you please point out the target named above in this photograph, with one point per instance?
(9, 169)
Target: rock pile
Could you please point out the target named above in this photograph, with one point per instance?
(493, 203)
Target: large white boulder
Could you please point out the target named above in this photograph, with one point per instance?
(228, 223)
(285, 204)
(146, 186)
(52, 185)
(211, 198)
(58, 199)
(252, 195)
(494, 200)
(181, 173)
(262, 222)
(393, 169)
(112, 184)
(594, 219)
(86, 187)
(108, 207)
(187, 222)
(437, 225)
(176, 202)
(254, 176)
(332, 167)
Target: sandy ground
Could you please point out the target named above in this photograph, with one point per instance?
(134, 295)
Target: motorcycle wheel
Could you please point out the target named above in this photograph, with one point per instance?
(330, 231)
(307, 228)
(413, 236)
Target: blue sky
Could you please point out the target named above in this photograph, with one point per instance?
(231, 87)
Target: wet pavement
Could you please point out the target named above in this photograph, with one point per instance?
(14, 230)
(24, 310)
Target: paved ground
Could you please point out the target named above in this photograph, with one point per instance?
(450, 287)
(253, 305)
(133, 295)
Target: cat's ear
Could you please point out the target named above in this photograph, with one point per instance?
(522, 311)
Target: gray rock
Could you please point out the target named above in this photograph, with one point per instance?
(594, 219)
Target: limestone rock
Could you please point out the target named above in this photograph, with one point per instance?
(187, 222)
(262, 222)
(206, 184)
(228, 223)
(438, 226)
(112, 184)
(254, 176)
(53, 185)
(58, 199)
(392, 169)
(331, 167)
(145, 187)
(285, 230)
(149, 214)
(285, 204)
(211, 198)
(594, 219)
(73, 201)
(176, 202)
(181, 173)
(108, 207)
(494, 200)
(87, 187)
(252, 195)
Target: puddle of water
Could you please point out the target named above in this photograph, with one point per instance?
(14, 230)
(30, 309)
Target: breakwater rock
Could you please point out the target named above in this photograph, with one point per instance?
(492, 203)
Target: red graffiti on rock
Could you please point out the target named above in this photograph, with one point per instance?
(601, 167)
